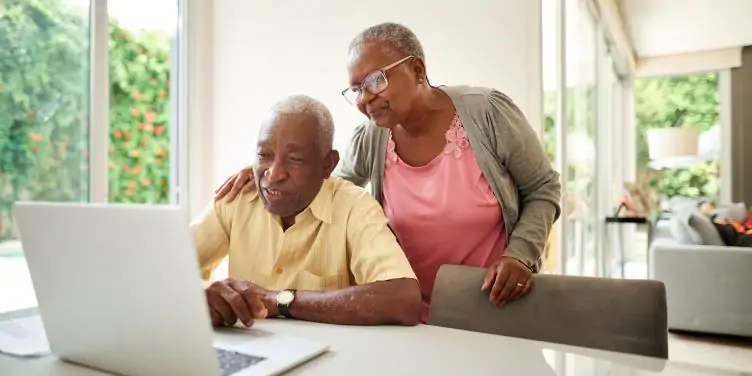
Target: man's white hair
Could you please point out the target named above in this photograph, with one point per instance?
(303, 104)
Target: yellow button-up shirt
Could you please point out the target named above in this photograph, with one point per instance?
(341, 239)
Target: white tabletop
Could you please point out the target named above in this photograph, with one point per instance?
(420, 350)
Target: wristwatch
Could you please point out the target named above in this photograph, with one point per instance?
(284, 300)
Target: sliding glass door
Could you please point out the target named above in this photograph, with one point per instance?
(587, 134)
(85, 111)
(44, 127)
(580, 120)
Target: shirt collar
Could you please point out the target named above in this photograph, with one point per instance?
(320, 207)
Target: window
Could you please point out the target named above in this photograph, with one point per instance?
(58, 109)
(551, 62)
(140, 59)
(551, 34)
(43, 121)
(581, 126)
(688, 101)
(586, 108)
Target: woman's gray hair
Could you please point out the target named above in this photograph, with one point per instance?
(398, 37)
(303, 104)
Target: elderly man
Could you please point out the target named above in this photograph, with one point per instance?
(304, 245)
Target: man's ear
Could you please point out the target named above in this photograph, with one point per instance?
(330, 162)
(419, 68)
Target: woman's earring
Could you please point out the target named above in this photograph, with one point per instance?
(420, 80)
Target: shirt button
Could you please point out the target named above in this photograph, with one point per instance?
(279, 270)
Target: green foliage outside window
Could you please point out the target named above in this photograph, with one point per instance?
(687, 101)
(139, 169)
(690, 101)
(44, 76)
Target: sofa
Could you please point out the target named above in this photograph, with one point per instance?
(708, 283)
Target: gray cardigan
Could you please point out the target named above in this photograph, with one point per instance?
(509, 154)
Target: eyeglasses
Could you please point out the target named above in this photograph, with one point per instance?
(374, 83)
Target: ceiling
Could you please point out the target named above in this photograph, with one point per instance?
(669, 27)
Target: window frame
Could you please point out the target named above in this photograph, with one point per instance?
(99, 101)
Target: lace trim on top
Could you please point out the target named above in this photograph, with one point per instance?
(456, 141)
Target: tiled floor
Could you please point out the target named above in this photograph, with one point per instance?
(729, 353)
(16, 292)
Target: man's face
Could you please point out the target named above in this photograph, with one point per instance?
(291, 165)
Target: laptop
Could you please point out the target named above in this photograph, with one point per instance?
(119, 290)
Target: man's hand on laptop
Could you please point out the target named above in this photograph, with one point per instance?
(233, 300)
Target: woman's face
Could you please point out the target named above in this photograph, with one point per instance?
(391, 104)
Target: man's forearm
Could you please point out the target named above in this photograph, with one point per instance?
(394, 302)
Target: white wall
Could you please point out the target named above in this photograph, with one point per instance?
(264, 50)
(667, 27)
(200, 83)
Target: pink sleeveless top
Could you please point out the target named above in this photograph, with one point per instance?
(444, 212)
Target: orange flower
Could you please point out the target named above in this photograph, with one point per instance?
(162, 93)
(127, 169)
(131, 185)
(140, 126)
(150, 116)
(148, 127)
(160, 152)
(118, 134)
(136, 95)
(133, 153)
(137, 169)
(158, 161)
(35, 148)
(135, 112)
(111, 164)
(153, 81)
(159, 130)
(35, 136)
(145, 182)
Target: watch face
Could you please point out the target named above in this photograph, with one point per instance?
(285, 297)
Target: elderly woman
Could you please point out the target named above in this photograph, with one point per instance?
(461, 175)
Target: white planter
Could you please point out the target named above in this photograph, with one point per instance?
(668, 143)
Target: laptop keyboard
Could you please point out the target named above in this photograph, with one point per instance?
(231, 362)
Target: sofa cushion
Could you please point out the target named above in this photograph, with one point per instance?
(707, 230)
(691, 227)
(731, 212)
